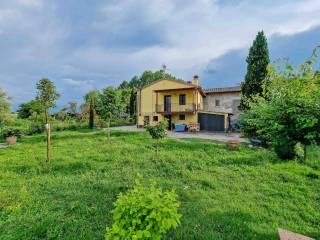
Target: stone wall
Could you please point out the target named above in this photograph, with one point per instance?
(226, 102)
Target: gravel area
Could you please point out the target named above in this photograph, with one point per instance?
(222, 137)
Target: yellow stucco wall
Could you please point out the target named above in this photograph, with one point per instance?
(148, 99)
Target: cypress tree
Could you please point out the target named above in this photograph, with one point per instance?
(257, 60)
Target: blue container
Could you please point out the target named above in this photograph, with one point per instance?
(180, 127)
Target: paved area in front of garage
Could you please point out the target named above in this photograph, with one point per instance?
(222, 137)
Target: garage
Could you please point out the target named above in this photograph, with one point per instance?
(211, 122)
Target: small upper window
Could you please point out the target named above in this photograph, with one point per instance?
(182, 99)
(155, 118)
(217, 102)
(182, 117)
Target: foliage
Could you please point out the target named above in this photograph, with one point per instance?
(257, 60)
(144, 213)
(4, 106)
(224, 194)
(47, 94)
(28, 109)
(91, 99)
(11, 131)
(158, 131)
(110, 103)
(62, 115)
(289, 109)
(147, 77)
(35, 128)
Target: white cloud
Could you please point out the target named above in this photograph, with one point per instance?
(199, 31)
(84, 85)
(70, 40)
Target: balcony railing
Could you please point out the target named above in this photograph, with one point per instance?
(172, 108)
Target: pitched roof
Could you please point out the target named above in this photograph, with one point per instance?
(179, 81)
(170, 79)
(223, 90)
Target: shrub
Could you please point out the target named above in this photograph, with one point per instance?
(11, 131)
(36, 128)
(144, 213)
(158, 131)
(285, 149)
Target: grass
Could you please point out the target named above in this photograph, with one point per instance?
(225, 194)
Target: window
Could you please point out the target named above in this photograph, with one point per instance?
(182, 117)
(146, 120)
(182, 99)
(217, 102)
(155, 118)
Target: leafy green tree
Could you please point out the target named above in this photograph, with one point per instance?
(30, 108)
(5, 106)
(47, 95)
(91, 99)
(110, 103)
(288, 111)
(257, 60)
(124, 85)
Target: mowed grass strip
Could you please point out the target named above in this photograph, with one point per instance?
(225, 194)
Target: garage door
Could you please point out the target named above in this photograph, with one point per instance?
(211, 122)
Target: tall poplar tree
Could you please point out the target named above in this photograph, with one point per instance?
(257, 60)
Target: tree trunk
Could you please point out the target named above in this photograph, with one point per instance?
(48, 128)
(91, 116)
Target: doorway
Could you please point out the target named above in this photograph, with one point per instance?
(168, 119)
(167, 103)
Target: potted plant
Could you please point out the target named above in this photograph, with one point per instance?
(11, 134)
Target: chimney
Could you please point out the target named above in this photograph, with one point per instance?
(196, 80)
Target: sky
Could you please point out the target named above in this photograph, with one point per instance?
(83, 45)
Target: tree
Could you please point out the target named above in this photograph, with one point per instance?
(30, 108)
(110, 103)
(288, 111)
(91, 98)
(5, 106)
(257, 60)
(47, 95)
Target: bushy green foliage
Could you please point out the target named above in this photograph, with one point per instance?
(158, 131)
(110, 103)
(144, 213)
(4, 107)
(30, 108)
(257, 60)
(47, 94)
(11, 131)
(288, 112)
(35, 128)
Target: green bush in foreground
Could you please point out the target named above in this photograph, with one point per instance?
(144, 213)
(158, 131)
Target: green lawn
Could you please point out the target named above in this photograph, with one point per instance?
(224, 194)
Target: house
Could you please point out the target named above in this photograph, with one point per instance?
(225, 100)
(178, 102)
